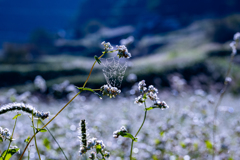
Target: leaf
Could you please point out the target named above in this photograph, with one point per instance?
(27, 140)
(149, 108)
(98, 148)
(209, 145)
(17, 116)
(8, 154)
(112, 51)
(89, 89)
(127, 135)
(41, 130)
(97, 59)
(46, 143)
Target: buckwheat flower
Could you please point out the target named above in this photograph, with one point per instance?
(152, 96)
(152, 89)
(91, 143)
(92, 155)
(100, 142)
(139, 100)
(123, 129)
(117, 132)
(107, 45)
(123, 52)
(107, 154)
(141, 86)
(5, 133)
(228, 80)
(82, 150)
(110, 91)
(236, 36)
(233, 46)
(160, 104)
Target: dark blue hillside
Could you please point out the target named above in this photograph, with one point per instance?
(19, 18)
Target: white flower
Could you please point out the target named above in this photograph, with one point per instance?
(123, 52)
(107, 45)
(236, 36)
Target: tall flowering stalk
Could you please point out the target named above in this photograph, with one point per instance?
(145, 93)
(233, 45)
(106, 90)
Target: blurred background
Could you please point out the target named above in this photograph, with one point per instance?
(57, 39)
(182, 47)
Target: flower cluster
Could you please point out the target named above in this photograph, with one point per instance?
(151, 93)
(25, 108)
(233, 44)
(110, 91)
(87, 145)
(117, 132)
(160, 104)
(107, 45)
(5, 133)
(123, 52)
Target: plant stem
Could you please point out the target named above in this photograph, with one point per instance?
(222, 92)
(35, 138)
(55, 140)
(63, 107)
(10, 141)
(145, 115)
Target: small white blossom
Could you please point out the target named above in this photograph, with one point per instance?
(152, 89)
(160, 104)
(141, 86)
(110, 91)
(123, 52)
(236, 36)
(152, 96)
(107, 45)
(139, 100)
(233, 46)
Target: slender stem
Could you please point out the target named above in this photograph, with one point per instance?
(63, 107)
(145, 115)
(223, 91)
(55, 140)
(35, 138)
(10, 140)
(49, 122)
(28, 154)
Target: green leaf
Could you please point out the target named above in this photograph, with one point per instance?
(17, 116)
(112, 51)
(209, 145)
(41, 130)
(89, 89)
(47, 143)
(98, 148)
(97, 59)
(1, 139)
(8, 154)
(149, 108)
(27, 140)
(127, 135)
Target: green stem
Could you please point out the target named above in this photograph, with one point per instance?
(10, 140)
(63, 107)
(55, 140)
(223, 91)
(145, 115)
(35, 138)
